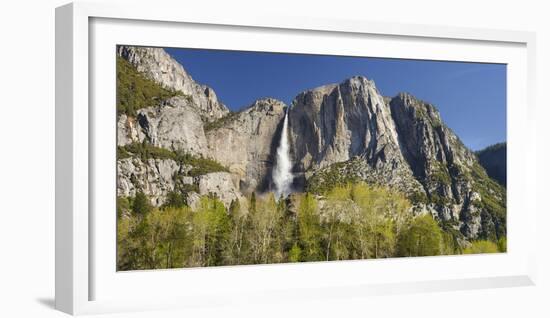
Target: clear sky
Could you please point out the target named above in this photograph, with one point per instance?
(471, 97)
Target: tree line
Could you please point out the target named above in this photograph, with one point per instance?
(354, 221)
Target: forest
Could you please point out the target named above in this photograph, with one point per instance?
(353, 221)
(341, 172)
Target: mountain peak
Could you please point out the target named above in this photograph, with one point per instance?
(266, 105)
(159, 66)
(416, 106)
(340, 132)
(267, 101)
(359, 80)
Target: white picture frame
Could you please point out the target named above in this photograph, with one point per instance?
(86, 281)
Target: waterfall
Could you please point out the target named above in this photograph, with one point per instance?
(282, 175)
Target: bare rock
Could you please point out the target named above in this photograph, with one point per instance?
(159, 66)
(174, 125)
(245, 143)
(154, 177)
(193, 200)
(221, 185)
(348, 123)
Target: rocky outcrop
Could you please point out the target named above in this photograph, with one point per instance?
(451, 175)
(159, 66)
(338, 132)
(425, 139)
(348, 131)
(155, 177)
(158, 177)
(245, 142)
(221, 185)
(174, 125)
(241, 140)
(351, 120)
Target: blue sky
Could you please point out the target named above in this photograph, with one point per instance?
(471, 97)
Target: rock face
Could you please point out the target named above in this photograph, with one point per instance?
(338, 133)
(154, 177)
(158, 177)
(245, 143)
(425, 138)
(348, 131)
(221, 184)
(450, 173)
(438, 160)
(159, 66)
(334, 123)
(337, 123)
(175, 124)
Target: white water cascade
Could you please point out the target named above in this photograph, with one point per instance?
(282, 175)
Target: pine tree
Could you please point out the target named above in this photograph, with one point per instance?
(141, 204)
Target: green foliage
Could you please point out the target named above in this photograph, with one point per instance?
(420, 110)
(452, 238)
(221, 122)
(422, 238)
(418, 197)
(479, 247)
(436, 124)
(439, 200)
(332, 176)
(253, 202)
(295, 254)
(502, 245)
(135, 91)
(211, 229)
(237, 247)
(449, 244)
(200, 165)
(131, 253)
(264, 223)
(122, 206)
(235, 207)
(176, 199)
(492, 148)
(440, 174)
(309, 229)
(146, 151)
(493, 203)
(159, 240)
(169, 236)
(493, 159)
(121, 153)
(380, 214)
(360, 221)
(352, 221)
(141, 204)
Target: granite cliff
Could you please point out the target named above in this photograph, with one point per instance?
(245, 141)
(338, 133)
(158, 65)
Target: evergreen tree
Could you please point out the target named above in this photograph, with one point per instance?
(175, 199)
(141, 204)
